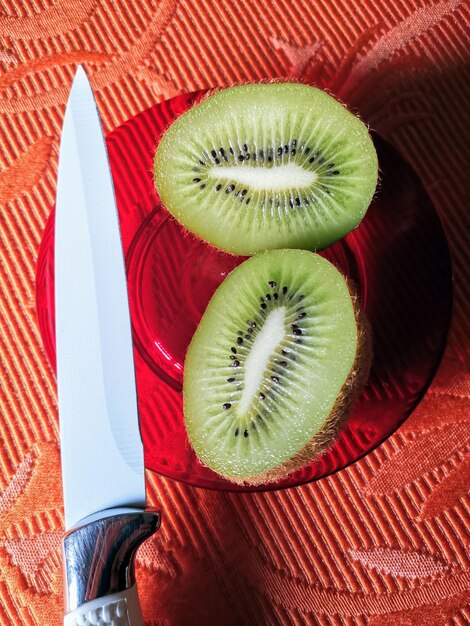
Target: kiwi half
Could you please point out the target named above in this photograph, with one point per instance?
(263, 166)
(279, 356)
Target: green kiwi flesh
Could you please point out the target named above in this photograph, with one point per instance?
(264, 166)
(274, 366)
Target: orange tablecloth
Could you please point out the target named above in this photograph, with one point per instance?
(382, 543)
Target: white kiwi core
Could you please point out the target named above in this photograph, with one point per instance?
(269, 337)
(275, 178)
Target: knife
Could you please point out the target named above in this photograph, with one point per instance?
(101, 448)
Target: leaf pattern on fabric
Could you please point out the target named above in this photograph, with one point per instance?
(42, 492)
(299, 58)
(410, 565)
(414, 460)
(450, 410)
(222, 559)
(311, 599)
(123, 66)
(429, 614)
(154, 556)
(17, 482)
(24, 173)
(396, 39)
(448, 492)
(350, 58)
(36, 557)
(55, 20)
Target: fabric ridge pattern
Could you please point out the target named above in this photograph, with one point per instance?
(382, 543)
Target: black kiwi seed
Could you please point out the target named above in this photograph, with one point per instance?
(296, 330)
(201, 162)
(253, 425)
(230, 380)
(246, 433)
(248, 201)
(286, 148)
(222, 151)
(219, 187)
(249, 330)
(230, 188)
(293, 151)
(196, 180)
(275, 296)
(312, 159)
(321, 161)
(241, 157)
(245, 147)
(261, 396)
(235, 363)
(217, 161)
(226, 406)
(307, 150)
(253, 324)
(284, 290)
(329, 166)
(272, 284)
(214, 153)
(268, 296)
(247, 337)
(275, 379)
(301, 315)
(239, 341)
(279, 151)
(201, 186)
(234, 350)
(263, 305)
(232, 357)
(231, 150)
(236, 432)
(244, 192)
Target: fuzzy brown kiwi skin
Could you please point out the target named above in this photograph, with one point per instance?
(349, 393)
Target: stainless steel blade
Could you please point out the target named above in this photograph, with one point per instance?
(101, 448)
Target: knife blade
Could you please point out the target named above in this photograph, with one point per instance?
(101, 448)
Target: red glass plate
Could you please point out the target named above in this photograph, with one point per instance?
(398, 259)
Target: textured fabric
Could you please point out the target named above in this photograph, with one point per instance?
(382, 543)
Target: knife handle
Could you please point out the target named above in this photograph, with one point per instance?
(118, 609)
(99, 561)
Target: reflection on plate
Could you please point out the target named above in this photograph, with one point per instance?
(398, 259)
